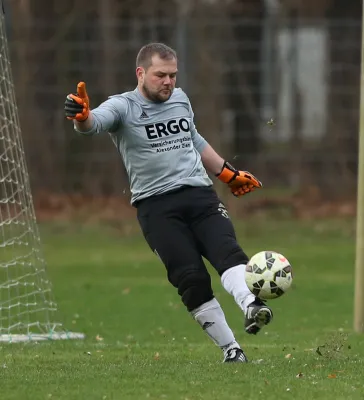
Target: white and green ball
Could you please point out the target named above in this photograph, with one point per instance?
(268, 275)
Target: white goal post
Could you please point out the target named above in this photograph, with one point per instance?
(359, 259)
(27, 308)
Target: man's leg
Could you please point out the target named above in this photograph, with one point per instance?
(171, 239)
(217, 242)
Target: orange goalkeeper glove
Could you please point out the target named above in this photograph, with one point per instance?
(240, 182)
(77, 106)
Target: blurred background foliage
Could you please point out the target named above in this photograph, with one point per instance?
(274, 85)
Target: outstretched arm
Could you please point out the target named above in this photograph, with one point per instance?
(211, 160)
(105, 118)
(240, 182)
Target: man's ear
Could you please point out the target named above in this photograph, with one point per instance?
(140, 72)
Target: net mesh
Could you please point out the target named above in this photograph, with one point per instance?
(27, 308)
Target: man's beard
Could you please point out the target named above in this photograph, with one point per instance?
(156, 96)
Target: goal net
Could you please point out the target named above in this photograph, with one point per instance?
(27, 308)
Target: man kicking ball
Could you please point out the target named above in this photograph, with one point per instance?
(179, 212)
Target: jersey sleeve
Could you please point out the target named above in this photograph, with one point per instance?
(198, 141)
(108, 116)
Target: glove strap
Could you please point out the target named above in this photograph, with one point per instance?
(228, 173)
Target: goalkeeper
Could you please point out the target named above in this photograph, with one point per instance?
(179, 212)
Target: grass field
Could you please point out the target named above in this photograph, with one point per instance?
(142, 344)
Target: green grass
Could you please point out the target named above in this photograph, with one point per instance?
(112, 287)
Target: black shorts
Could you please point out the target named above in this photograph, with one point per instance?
(185, 225)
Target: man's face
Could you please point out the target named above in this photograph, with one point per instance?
(159, 80)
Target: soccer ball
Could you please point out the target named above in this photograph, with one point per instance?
(268, 275)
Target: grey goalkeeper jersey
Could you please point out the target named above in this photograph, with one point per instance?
(158, 142)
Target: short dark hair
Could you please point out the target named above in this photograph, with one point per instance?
(144, 57)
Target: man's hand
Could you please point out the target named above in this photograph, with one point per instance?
(77, 106)
(240, 182)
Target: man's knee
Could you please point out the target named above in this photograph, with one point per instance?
(194, 286)
(231, 254)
